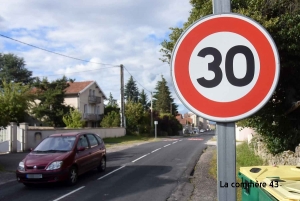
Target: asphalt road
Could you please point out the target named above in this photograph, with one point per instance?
(146, 172)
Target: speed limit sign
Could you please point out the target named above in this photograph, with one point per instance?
(225, 67)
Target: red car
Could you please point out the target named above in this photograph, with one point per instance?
(62, 157)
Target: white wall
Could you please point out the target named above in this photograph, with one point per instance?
(32, 138)
(244, 134)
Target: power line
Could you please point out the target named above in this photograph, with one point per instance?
(137, 81)
(70, 57)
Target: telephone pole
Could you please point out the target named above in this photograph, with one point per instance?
(122, 95)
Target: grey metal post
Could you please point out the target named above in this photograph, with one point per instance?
(226, 138)
(155, 131)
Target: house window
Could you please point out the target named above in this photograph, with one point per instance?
(90, 92)
(93, 92)
(95, 110)
(98, 109)
(85, 108)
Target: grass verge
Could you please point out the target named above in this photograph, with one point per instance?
(127, 139)
(244, 157)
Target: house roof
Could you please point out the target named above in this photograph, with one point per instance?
(79, 87)
(76, 87)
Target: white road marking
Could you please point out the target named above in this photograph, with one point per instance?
(68, 194)
(140, 158)
(180, 140)
(155, 150)
(111, 172)
(167, 145)
(174, 142)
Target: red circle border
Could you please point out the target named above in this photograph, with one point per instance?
(263, 84)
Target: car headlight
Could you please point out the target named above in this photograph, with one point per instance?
(21, 166)
(55, 165)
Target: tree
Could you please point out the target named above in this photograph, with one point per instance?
(134, 114)
(112, 119)
(131, 91)
(143, 99)
(112, 101)
(15, 101)
(73, 119)
(50, 107)
(163, 101)
(12, 69)
(281, 18)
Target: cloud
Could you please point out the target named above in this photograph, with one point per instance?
(114, 32)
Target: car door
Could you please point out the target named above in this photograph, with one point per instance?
(95, 150)
(82, 158)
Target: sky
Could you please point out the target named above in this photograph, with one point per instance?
(114, 32)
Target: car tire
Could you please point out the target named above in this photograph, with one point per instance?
(73, 176)
(102, 165)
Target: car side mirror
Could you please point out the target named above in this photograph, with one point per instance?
(80, 148)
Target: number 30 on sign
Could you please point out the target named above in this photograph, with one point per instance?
(225, 67)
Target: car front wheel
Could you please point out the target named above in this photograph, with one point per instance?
(102, 165)
(73, 175)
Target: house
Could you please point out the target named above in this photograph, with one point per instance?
(88, 98)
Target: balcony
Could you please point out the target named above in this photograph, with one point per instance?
(94, 99)
(92, 117)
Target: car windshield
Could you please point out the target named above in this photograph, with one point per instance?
(56, 144)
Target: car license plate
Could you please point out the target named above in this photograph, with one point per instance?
(34, 176)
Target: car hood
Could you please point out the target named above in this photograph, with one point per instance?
(43, 159)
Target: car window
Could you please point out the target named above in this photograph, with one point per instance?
(82, 142)
(61, 143)
(99, 139)
(92, 139)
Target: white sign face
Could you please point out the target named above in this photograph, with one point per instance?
(225, 67)
(155, 122)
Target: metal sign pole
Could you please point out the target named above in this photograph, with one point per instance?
(226, 139)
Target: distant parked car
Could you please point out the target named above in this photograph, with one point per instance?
(62, 157)
(201, 131)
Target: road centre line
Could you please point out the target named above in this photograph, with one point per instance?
(69, 193)
(155, 150)
(167, 145)
(111, 172)
(140, 158)
(174, 142)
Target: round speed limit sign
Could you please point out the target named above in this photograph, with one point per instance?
(225, 67)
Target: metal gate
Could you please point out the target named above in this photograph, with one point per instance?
(5, 139)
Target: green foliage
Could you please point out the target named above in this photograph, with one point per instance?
(131, 91)
(163, 101)
(111, 101)
(134, 113)
(143, 99)
(244, 157)
(167, 125)
(12, 69)
(73, 119)
(281, 18)
(15, 101)
(112, 119)
(50, 107)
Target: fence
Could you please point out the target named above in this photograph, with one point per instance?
(5, 139)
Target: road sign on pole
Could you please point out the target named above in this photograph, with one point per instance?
(225, 67)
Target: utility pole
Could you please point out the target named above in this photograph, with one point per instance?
(151, 113)
(122, 95)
